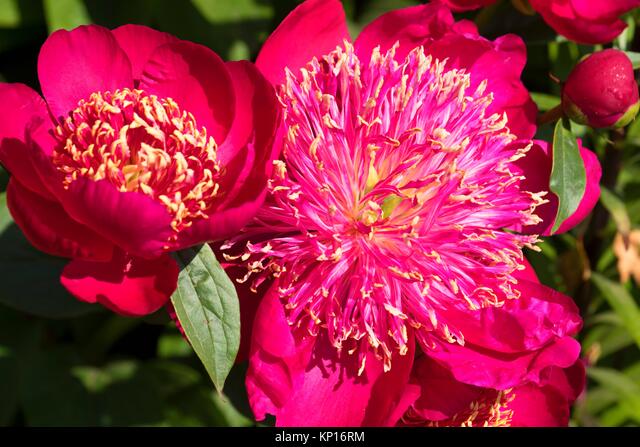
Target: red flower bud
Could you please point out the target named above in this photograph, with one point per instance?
(601, 91)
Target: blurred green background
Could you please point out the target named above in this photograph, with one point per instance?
(67, 363)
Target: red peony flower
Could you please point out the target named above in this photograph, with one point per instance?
(601, 91)
(388, 229)
(146, 144)
(584, 21)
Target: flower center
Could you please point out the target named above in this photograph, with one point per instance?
(388, 211)
(491, 409)
(141, 143)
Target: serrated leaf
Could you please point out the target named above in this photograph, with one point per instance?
(621, 302)
(617, 209)
(568, 177)
(207, 306)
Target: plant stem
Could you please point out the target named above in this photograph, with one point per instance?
(551, 116)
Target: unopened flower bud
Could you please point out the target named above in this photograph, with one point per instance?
(601, 91)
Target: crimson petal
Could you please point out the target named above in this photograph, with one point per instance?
(74, 64)
(127, 285)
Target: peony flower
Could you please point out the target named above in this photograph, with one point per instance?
(584, 21)
(146, 144)
(601, 91)
(436, 399)
(388, 227)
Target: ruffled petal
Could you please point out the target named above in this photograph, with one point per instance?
(197, 79)
(536, 167)
(256, 112)
(528, 274)
(432, 26)
(500, 63)
(249, 302)
(139, 42)
(388, 395)
(540, 316)
(441, 395)
(548, 405)
(313, 29)
(536, 406)
(248, 169)
(48, 227)
(339, 395)
(222, 223)
(410, 27)
(131, 220)
(127, 285)
(287, 375)
(603, 10)
(74, 64)
(24, 112)
(490, 369)
(276, 360)
(565, 20)
(515, 343)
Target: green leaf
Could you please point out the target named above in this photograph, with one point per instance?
(545, 101)
(635, 59)
(216, 11)
(608, 339)
(207, 306)
(568, 177)
(626, 390)
(626, 37)
(618, 210)
(65, 14)
(621, 302)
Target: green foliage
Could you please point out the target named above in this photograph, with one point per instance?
(568, 178)
(207, 306)
(616, 208)
(63, 362)
(65, 14)
(622, 303)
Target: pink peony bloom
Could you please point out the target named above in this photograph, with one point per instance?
(584, 21)
(384, 230)
(602, 91)
(435, 398)
(146, 144)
